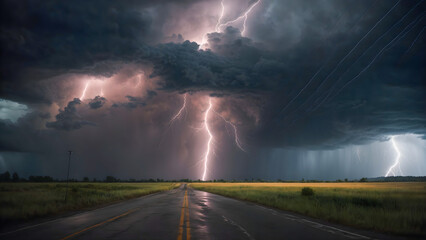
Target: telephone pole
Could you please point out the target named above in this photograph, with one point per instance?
(68, 174)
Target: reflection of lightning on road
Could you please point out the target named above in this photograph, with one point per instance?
(398, 156)
(179, 113)
(206, 125)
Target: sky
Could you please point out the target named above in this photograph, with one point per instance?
(212, 89)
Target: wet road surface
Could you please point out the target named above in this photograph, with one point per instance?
(185, 213)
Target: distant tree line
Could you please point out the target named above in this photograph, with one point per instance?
(7, 177)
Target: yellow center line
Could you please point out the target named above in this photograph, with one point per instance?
(182, 218)
(99, 224)
(188, 231)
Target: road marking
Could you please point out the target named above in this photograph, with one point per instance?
(188, 230)
(184, 211)
(238, 226)
(182, 216)
(99, 224)
(317, 225)
(301, 220)
(325, 227)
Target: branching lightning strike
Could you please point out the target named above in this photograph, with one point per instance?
(398, 156)
(179, 113)
(217, 28)
(219, 25)
(236, 138)
(243, 16)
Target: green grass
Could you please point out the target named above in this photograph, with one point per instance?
(398, 208)
(23, 201)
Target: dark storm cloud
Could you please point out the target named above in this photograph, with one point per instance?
(263, 80)
(44, 38)
(232, 64)
(334, 109)
(69, 119)
(97, 102)
(151, 94)
(23, 136)
(133, 102)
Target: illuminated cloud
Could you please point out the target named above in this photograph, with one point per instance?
(97, 102)
(69, 119)
(12, 110)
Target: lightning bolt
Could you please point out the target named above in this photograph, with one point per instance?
(236, 138)
(398, 156)
(243, 16)
(217, 28)
(220, 25)
(206, 126)
(179, 113)
(83, 94)
(357, 154)
(84, 91)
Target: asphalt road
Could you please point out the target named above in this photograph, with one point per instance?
(185, 213)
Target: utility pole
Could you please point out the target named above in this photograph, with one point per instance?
(68, 174)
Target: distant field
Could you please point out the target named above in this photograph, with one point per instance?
(398, 208)
(20, 201)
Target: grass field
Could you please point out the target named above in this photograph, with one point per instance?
(22, 201)
(398, 208)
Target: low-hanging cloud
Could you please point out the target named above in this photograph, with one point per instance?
(69, 119)
(97, 102)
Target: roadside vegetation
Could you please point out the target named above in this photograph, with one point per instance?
(398, 208)
(23, 201)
